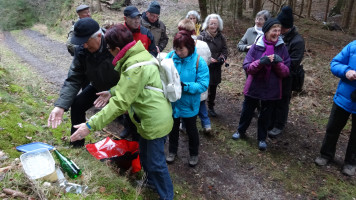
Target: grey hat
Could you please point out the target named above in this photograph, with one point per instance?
(154, 8)
(83, 29)
(131, 11)
(82, 7)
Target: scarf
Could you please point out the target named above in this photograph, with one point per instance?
(269, 51)
(122, 52)
(211, 34)
(259, 31)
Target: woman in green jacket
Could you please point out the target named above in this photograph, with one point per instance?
(148, 109)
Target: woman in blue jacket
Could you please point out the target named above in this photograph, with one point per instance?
(344, 67)
(194, 78)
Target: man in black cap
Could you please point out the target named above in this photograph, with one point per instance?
(92, 61)
(150, 20)
(296, 47)
(132, 19)
(83, 11)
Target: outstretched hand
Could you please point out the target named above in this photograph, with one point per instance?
(55, 117)
(103, 99)
(81, 132)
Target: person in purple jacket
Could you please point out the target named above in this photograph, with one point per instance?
(266, 64)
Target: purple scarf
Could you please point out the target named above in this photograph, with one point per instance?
(269, 51)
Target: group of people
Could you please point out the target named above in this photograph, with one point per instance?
(101, 69)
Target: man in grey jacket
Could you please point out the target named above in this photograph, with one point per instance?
(92, 61)
(150, 20)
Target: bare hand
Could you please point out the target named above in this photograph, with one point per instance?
(271, 57)
(351, 75)
(103, 99)
(81, 132)
(213, 60)
(248, 47)
(55, 118)
(158, 51)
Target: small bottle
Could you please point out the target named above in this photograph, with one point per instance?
(68, 165)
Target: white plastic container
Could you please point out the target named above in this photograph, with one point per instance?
(38, 163)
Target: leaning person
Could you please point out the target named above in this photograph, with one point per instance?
(91, 61)
(343, 66)
(266, 64)
(211, 34)
(148, 109)
(194, 76)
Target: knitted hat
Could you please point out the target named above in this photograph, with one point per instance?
(154, 8)
(286, 17)
(269, 23)
(83, 29)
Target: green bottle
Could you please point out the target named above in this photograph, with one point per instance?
(68, 165)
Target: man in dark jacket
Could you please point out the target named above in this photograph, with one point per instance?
(92, 61)
(150, 20)
(296, 46)
(132, 19)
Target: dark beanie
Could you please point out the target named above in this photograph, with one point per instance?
(286, 17)
(154, 8)
(269, 23)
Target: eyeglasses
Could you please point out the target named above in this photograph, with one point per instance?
(213, 24)
(135, 18)
(259, 19)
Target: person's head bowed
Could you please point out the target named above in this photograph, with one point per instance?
(187, 25)
(194, 16)
(117, 37)
(213, 20)
(183, 44)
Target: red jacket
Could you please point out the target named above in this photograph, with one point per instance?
(146, 37)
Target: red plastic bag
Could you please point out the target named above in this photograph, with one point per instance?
(123, 152)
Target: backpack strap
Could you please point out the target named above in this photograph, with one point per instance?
(150, 62)
(197, 66)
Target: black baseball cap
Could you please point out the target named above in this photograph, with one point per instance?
(83, 29)
(131, 11)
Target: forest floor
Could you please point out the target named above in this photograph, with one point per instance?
(236, 169)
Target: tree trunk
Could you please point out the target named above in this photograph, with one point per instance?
(347, 14)
(337, 8)
(326, 11)
(203, 9)
(240, 6)
(98, 6)
(256, 7)
(244, 5)
(250, 3)
(310, 2)
(301, 8)
(353, 20)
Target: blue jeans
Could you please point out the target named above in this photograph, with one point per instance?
(153, 161)
(203, 115)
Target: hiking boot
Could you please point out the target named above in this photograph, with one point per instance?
(207, 130)
(124, 134)
(238, 135)
(274, 132)
(349, 170)
(212, 112)
(193, 160)
(262, 145)
(320, 161)
(171, 157)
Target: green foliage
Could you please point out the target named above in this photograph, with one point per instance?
(16, 14)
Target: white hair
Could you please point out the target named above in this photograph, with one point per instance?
(97, 33)
(195, 13)
(213, 16)
(265, 13)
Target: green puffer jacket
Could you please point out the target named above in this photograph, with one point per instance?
(149, 110)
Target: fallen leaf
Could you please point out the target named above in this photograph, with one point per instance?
(102, 189)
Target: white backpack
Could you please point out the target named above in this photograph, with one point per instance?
(172, 88)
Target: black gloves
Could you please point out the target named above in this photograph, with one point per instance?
(182, 84)
(221, 60)
(277, 59)
(265, 60)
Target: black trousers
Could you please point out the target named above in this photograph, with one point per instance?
(192, 131)
(82, 102)
(211, 96)
(337, 121)
(280, 113)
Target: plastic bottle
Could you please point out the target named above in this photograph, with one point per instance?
(67, 165)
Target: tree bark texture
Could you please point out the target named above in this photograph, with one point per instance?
(257, 7)
(310, 2)
(347, 14)
(353, 20)
(203, 9)
(326, 10)
(250, 3)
